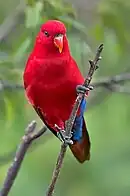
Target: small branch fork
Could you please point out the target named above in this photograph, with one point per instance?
(31, 135)
(27, 139)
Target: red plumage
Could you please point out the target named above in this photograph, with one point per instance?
(50, 80)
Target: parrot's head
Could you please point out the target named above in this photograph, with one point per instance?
(52, 36)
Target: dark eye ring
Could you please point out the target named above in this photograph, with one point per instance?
(46, 34)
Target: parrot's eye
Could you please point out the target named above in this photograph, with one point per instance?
(46, 34)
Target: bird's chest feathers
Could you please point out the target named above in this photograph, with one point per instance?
(54, 83)
(52, 73)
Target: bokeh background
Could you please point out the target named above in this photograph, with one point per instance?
(89, 23)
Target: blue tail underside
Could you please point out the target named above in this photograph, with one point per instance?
(78, 125)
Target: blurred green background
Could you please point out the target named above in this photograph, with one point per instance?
(89, 23)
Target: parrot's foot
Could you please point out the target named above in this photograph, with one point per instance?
(63, 137)
(82, 89)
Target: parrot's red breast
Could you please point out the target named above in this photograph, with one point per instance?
(50, 79)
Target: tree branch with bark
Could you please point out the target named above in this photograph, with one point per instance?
(27, 139)
(112, 83)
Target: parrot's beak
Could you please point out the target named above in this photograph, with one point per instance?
(58, 41)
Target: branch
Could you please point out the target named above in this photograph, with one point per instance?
(119, 89)
(113, 80)
(105, 82)
(69, 123)
(57, 169)
(27, 139)
(6, 85)
(7, 157)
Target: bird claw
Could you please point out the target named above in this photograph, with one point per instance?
(82, 89)
(62, 137)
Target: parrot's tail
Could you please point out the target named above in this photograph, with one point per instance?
(81, 149)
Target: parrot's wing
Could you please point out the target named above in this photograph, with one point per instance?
(81, 149)
(40, 114)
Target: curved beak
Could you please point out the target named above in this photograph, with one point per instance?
(58, 41)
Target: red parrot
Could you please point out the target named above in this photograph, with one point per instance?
(51, 78)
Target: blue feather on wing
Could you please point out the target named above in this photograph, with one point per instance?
(78, 125)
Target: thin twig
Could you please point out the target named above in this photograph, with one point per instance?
(27, 139)
(93, 67)
(69, 123)
(57, 169)
(119, 89)
(112, 80)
